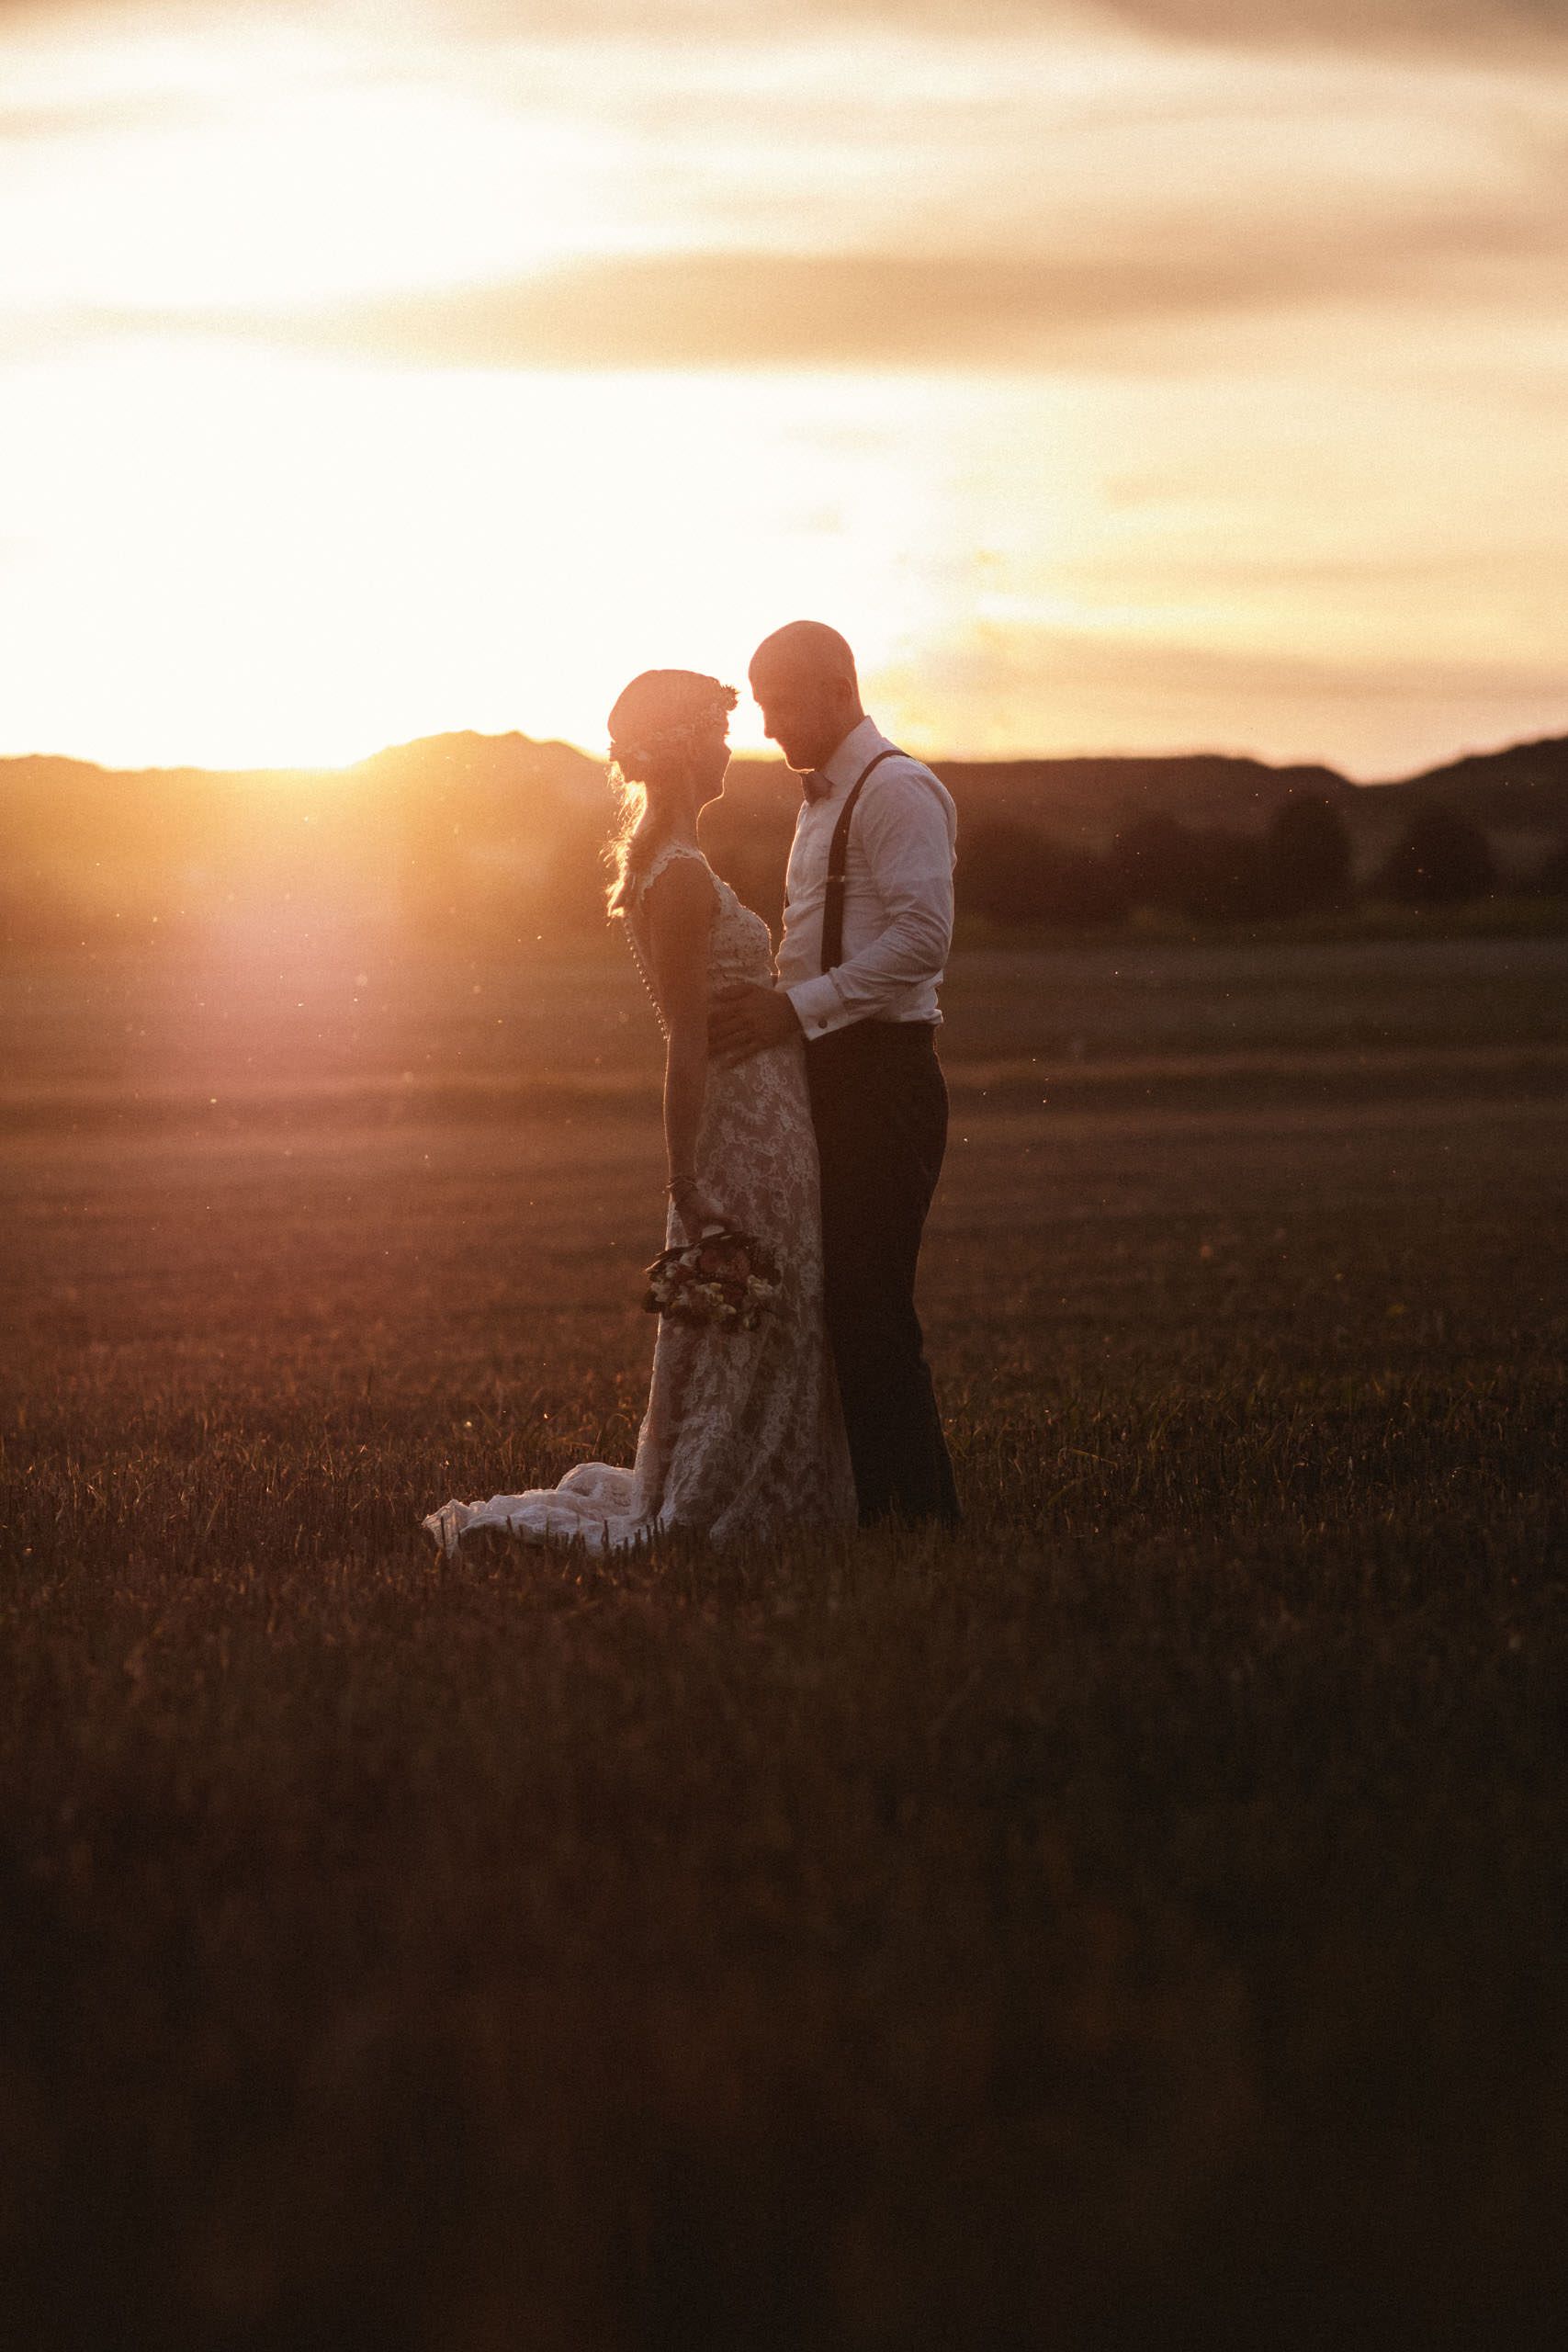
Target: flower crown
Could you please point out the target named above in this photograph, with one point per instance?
(680, 738)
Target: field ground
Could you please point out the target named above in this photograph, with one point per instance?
(248, 1019)
(1138, 1917)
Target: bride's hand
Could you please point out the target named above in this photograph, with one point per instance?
(695, 1210)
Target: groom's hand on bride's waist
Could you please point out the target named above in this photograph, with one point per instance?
(743, 1018)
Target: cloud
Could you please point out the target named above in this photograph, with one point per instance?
(1197, 671)
(887, 309)
(1375, 714)
(935, 218)
(1244, 23)
(101, 117)
(1352, 24)
(1272, 24)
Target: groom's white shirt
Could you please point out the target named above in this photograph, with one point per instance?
(898, 892)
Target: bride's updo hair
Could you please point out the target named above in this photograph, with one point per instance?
(653, 728)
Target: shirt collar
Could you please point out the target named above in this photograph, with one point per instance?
(862, 744)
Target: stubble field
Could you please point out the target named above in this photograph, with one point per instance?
(1137, 1918)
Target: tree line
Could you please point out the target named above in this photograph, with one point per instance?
(1302, 862)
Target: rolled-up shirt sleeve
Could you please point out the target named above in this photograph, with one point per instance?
(906, 839)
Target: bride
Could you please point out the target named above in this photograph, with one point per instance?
(743, 1433)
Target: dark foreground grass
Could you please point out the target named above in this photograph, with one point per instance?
(1138, 1918)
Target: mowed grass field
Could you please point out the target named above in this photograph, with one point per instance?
(1137, 1918)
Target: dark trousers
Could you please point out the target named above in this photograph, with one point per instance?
(879, 1105)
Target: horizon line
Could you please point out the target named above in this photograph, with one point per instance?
(774, 758)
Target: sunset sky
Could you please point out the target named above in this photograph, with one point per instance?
(1156, 376)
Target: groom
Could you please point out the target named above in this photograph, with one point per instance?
(868, 917)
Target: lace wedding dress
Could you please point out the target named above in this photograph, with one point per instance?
(743, 1433)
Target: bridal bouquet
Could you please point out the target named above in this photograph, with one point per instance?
(725, 1280)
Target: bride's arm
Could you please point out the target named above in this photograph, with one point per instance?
(680, 916)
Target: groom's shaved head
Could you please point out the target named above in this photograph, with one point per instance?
(805, 648)
(804, 678)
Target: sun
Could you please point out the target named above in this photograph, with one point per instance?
(261, 559)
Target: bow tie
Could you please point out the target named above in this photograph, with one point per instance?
(814, 785)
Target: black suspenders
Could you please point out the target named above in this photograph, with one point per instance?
(838, 855)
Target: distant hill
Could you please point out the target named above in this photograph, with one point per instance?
(1087, 801)
(1521, 786)
(502, 832)
(497, 762)
(1524, 788)
(491, 827)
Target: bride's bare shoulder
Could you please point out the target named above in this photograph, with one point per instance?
(682, 890)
